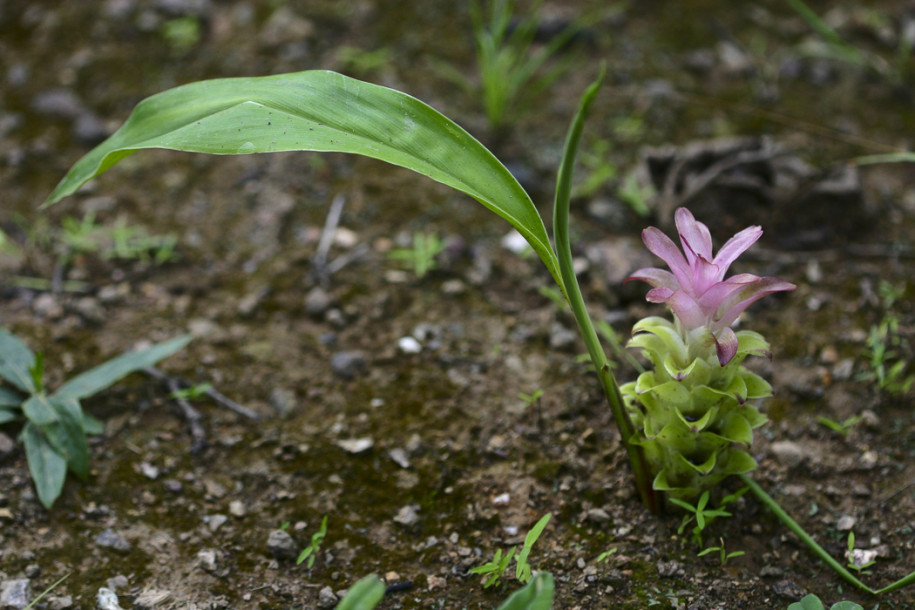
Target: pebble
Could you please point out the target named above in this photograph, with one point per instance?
(514, 242)
(152, 598)
(237, 508)
(407, 515)
(206, 559)
(33, 570)
(409, 345)
(788, 590)
(214, 522)
(399, 456)
(15, 594)
(110, 539)
(348, 364)
(47, 306)
(669, 569)
(846, 523)
(60, 602)
(107, 600)
(281, 545)
(317, 301)
(283, 401)
(598, 515)
(561, 337)
(327, 598)
(355, 445)
(435, 582)
(788, 452)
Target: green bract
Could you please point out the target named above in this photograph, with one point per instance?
(693, 417)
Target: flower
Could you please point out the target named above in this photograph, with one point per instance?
(695, 288)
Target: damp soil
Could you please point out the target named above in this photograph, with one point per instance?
(421, 454)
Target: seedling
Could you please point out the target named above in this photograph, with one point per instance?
(702, 515)
(843, 427)
(605, 556)
(421, 257)
(494, 570)
(56, 429)
(192, 393)
(311, 551)
(888, 369)
(858, 560)
(724, 556)
(532, 398)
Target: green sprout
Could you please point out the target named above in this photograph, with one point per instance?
(532, 398)
(724, 556)
(193, 392)
(858, 561)
(702, 515)
(812, 602)
(887, 367)
(843, 427)
(56, 428)
(311, 551)
(495, 569)
(605, 556)
(421, 257)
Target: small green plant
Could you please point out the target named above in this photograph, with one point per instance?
(636, 195)
(600, 170)
(703, 515)
(421, 257)
(193, 393)
(362, 62)
(843, 427)
(311, 551)
(532, 398)
(887, 367)
(605, 556)
(511, 68)
(56, 428)
(46, 591)
(858, 561)
(494, 570)
(724, 556)
(120, 241)
(812, 602)
(181, 33)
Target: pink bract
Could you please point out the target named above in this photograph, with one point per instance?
(695, 288)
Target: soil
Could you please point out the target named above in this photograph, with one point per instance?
(451, 464)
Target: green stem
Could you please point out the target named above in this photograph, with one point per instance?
(579, 310)
(792, 525)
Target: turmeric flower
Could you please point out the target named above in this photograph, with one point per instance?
(695, 288)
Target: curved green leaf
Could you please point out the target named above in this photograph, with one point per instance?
(364, 595)
(15, 361)
(536, 595)
(318, 111)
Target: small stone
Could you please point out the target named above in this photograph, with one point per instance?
(348, 364)
(561, 337)
(598, 515)
(90, 310)
(117, 582)
(435, 582)
(407, 515)
(281, 545)
(149, 471)
(789, 590)
(110, 539)
(514, 242)
(771, 572)
(409, 345)
(33, 570)
(355, 445)
(237, 508)
(317, 301)
(670, 569)
(846, 523)
(214, 522)
(60, 602)
(788, 452)
(399, 456)
(47, 306)
(327, 598)
(107, 600)
(206, 559)
(15, 594)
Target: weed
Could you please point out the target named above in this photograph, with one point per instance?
(56, 428)
(494, 570)
(724, 556)
(192, 393)
(812, 602)
(421, 257)
(703, 515)
(311, 551)
(532, 398)
(858, 560)
(887, 367)
(843, 427)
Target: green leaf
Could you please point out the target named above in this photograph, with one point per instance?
(48, 468)
(523, 569)
(736, 428)
(364, 595)
(16, 360)
(318, 111)
(68, 436)
(757, 387)
(38, 410)
(10, 398)
(104, 375)
(846, 605)
(537, 595)
(7, 415)
(808, 602)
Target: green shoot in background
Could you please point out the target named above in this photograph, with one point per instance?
(310, 552)
(56, 428)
